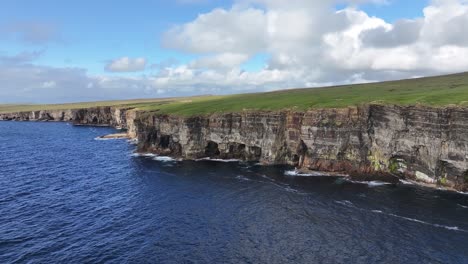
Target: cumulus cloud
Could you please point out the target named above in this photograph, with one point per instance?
(220, 61)
(23, 81)
(220, 31)
(305, 43)
(126, 64)
(309, 43)
(403, 32)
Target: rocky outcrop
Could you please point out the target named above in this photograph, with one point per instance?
(421, 143)
(43, 115)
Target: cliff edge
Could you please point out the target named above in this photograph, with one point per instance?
(426, 144)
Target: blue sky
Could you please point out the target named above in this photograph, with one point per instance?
(91, 35)
(92, 32)
(396, 9)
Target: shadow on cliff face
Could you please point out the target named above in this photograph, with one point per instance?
(232, 150)
(212, 150)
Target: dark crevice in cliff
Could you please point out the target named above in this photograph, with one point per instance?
(212, 149)
(164, 141)
(255, 153)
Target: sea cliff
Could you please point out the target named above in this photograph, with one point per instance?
(426, 144)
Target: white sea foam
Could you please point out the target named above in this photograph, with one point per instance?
(377, 183)
(406, 182)
(427, 223)
(299, 174)
(463, 206)
(453, 228)
(164, 159)
(345, 202)
(218, 160)
(147, 155)
(104, 139)
(242, 178)
(370, 183)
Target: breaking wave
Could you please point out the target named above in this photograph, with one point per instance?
(147, 155)
(370, 183)
(299, 174)
(218, 160)
(164, 159)
(406, 182)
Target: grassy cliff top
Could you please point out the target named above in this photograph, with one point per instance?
(432, 91)
(11, 108)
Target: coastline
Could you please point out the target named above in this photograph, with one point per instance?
(350, 141)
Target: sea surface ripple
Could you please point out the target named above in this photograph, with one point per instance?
(67, 198)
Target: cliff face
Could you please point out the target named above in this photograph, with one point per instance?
(96, 116)
(422, 143)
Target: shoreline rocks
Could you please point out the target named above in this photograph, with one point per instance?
(421, 143)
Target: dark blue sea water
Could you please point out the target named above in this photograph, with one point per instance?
(67, 198)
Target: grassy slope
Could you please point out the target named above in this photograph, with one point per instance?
(434, 91)
(9, 108)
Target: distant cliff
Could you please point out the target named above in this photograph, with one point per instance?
(95, 116)
(421, 143)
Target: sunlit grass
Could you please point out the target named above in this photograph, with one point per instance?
(432, 91)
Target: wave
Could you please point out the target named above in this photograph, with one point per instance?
(406, 182)
(105, 139)
(154, 157)
(377, 183)
(345, 203)
(299, 174)
(370, 183)
(147, 155)
(164, 159)
(453, 228)
(292, 190)
(463, 206)
(218, 160)
(242, 178)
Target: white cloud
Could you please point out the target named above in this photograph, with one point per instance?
(126, 64)
(220, 61)
(220, 31)
(306, 43)
(309, 43)
(49, 84)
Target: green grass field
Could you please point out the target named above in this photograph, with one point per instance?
(10, 108)
(432, 91)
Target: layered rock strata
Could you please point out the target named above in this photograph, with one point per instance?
(421, 143)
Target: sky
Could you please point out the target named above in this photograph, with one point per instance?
(54, 51)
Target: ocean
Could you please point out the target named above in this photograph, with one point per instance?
(66, 197)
